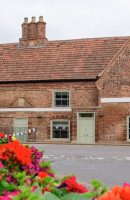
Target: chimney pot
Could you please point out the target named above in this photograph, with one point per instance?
(25, 20)
(33, 33)
(33, 19)
(41, 19)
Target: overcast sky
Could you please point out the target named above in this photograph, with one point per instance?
(66, 19)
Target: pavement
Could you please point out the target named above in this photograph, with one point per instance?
(109, 164)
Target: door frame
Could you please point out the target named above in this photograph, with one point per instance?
(78, 123)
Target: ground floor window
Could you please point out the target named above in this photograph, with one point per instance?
(128, 132)
(60, 130)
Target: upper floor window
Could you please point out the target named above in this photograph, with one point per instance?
(61, 99)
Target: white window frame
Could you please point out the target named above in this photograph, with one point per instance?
(53, 99)
(128, 128)
(51, 129)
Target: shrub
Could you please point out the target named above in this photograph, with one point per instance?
(24, 175)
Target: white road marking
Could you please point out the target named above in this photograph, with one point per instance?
(91, 157)
(45, 156)
(114, 157)
(127, 158)
(83, 157)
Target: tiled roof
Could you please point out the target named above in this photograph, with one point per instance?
(56, 60)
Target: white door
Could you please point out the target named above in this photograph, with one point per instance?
(86, 128)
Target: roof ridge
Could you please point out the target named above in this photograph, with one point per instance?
(6, 44)
(76, 39)
(95, 38)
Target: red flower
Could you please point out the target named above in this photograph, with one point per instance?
(73, 186)
(46, 189)
(125, 192)
(109, 196)
(42, 174)
(117, 193)
(2, 135)
(20, 153)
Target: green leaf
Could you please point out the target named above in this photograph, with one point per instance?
(49, 196)
(3, 170)
(59, 192)
(75, 196)
(96, 184)
(48, 179)
(90, 194)
(4, 185)
(105, 189)
(21, 177)
(45, 164)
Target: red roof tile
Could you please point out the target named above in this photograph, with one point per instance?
(67, 59)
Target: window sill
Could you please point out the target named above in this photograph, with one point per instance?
(58, 139)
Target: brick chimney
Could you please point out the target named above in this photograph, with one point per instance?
(33, 33)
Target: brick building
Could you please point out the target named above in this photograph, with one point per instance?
(75, 91)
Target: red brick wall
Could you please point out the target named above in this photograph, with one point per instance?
(112, 123)
(83, 96)
(114, 82)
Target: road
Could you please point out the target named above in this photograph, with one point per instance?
(110, 164)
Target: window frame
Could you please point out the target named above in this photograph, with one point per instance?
(51, 129)
(53, 99)
(128, 129)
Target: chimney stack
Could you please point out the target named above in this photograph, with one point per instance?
(41, 28)
(33, 28)
(33, 33)
(25, 28)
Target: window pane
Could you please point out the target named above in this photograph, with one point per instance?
(56, 134)
(86, 115)
(58, 103)
(65, 95)
(58, 95)
(64, 134)
(61, 99)
(64, 103)
(60, 129)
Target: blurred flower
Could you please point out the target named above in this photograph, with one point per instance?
(42, 175)
(2, 135)
(73, 186)
(1, 165)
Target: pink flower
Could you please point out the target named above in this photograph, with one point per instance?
(1, 165)
(126, 184)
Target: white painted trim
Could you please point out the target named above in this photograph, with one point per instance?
(35, 109)
(116, 100)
